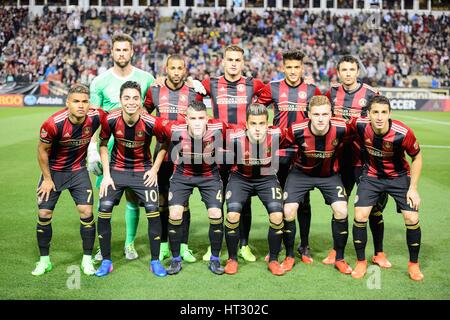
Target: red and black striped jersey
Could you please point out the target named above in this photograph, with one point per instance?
(289, 103)
(131, 150)
(69, 141)
(254, 160)
(384, 155)
(195, 157)
(230, 100)
(170, 104)
(351, 104)
(316, 155)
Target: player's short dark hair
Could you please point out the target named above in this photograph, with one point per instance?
(348, 58)
(175, 57)
(197, 106)
(318, 101)
(121, 38)
(78, 88)
(293, 55)
(379, 100)
(130, 85)
(257, 109)
(234, 48)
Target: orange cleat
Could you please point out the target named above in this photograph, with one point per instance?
(306, 254)
(331, 258)
(360, 269)
(343, 267)
(276, 269)
(288, 263)
(231, 267)
(414, 271)
(381, 260)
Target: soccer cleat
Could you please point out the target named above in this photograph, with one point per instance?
(164, 251)
(343, 267)
(288, 263)
(275, 268)
(157, 268)
(304, 251)
(186, 253)
(105, 268)
(414, 271)
(231, 267)
(174, 267)
(215, 267)
(246, 253)
(331, 258)
(130, 252)
(98, 256)
(207, 255)
(381, 260)
(87, 266)
(360, 269)
(41, 268)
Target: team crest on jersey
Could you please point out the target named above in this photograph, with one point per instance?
(240, 88)
(387, 145)
(43, 133)
(335, 142)
(183, 98)
(228, 195)
(140, 134)
(362, 102)
(302, 95)
(87, 130)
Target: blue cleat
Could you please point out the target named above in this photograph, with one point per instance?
(175, 266)
(157, 268)
(214, 266)
(105, 268)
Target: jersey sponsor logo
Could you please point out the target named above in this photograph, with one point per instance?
(319, 154)
(292, 106)
(130, 144)
(379, 153)
(74, 142)
(231, 99)
(170, 108)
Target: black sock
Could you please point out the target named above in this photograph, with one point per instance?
(186, 225)
(413, 238)
(289, 237)
(164, 216)
(175, 236)
(232, 238)
(215, 235)
(333, 230)
(104, 234)
(304, 220)
(275, 238)
(44, 235)
(87, 232)
(340, 236)
(246, 223)
(376, 224)
(154, 233)
(360, 239)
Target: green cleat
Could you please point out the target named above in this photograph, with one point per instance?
(246, 253)
(42, 267)
(87, 265)
(207, 255)
(186, 253)
(130, 252)
(164, 251)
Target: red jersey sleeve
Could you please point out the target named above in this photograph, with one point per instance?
(207, 84)
(318, 92)
(258, 87)
(163, 129)
(328, 94)
(148, 101)
(265, 97)
(48, 132)
(288, 138)
(410, 144)
(105, 133)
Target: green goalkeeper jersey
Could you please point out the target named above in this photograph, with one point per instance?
(105, 88)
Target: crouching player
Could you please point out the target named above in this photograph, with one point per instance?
(130, 168)
(62, 150)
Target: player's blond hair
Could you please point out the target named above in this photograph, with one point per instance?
(319, 101)
(234, 48)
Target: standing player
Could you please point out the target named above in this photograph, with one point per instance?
(290, 98)
(231, 94)
(196, 148)
(349, 101)
(171, 101)
(131, 167)
(105, 94)
(62, 151)
(384, 142)
(318, 140)
(255, 149)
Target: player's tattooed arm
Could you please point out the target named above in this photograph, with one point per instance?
(47, 184)
(107, 180)
(412, 196)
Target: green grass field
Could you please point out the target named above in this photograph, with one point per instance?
(131, 280)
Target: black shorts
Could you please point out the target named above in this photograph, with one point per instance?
(164, 174)
(77, 182)
(148, 197)
(370, 189)
(298, 184)
(181, 187)
(240, 189)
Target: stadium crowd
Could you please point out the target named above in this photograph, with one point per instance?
(67, 47)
